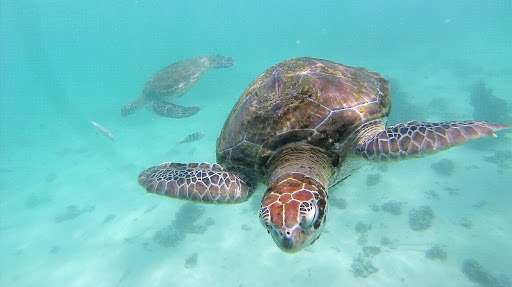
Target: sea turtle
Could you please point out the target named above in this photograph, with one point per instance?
(172, 82)
(301, 127)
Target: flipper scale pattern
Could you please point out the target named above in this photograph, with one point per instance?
(418, 139)
(202, 182)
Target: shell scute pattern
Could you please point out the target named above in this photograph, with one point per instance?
(309, 101)
(176, 77)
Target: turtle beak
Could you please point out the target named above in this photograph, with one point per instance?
(291, 241)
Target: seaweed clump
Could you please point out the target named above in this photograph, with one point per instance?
(501, 158)
(363, 266)
(387, 242)
(432, 195)
(168, 237)
(444, 167)
(421, 218)
(191, 261)
(480, 204)
(466, 222)
(394, 207)
(436, 252)
(373, 179)
(478, 274)
(183, 224)
(371, 251)
(363, 229)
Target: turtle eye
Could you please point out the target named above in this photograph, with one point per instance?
(308, 214)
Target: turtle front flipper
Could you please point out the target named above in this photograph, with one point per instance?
(170, 110)
(418, 139)
(203, 182)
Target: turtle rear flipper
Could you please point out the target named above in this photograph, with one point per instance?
(418, 139)
(170, 110)
(202, 182)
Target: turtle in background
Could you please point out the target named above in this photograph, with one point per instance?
(172, 82)
(300, 128)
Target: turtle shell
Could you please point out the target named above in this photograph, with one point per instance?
(305, 101)
(175, 79)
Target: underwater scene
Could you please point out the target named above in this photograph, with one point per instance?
(255, 143)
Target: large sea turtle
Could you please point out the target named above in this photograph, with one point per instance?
(172, 82)
(301, 127)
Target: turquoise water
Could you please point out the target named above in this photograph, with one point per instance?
(73, 214)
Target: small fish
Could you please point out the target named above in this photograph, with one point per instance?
(103, 130)
(192, 138)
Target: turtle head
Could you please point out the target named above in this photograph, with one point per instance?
(218, 61)
(293, 210)
(132, 107)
